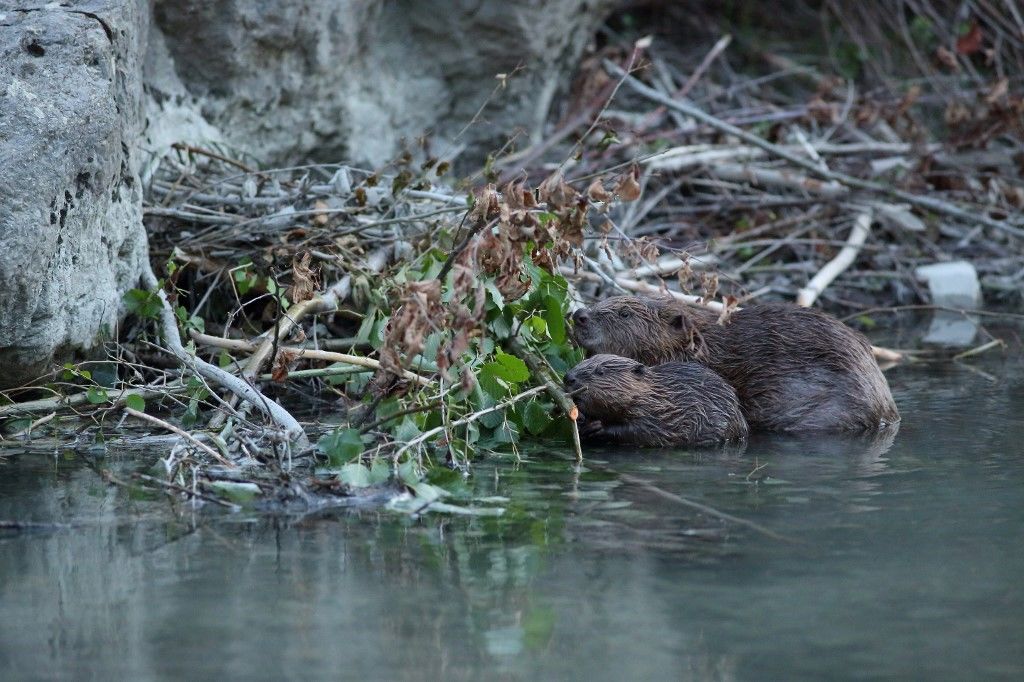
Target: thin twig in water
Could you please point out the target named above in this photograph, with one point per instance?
(184, 434)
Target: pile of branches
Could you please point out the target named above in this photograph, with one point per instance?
(798, 184)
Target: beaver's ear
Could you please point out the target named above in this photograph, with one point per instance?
(639, 369)
(679, 321)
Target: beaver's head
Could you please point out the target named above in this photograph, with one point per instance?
(604, 384)
(651, 330)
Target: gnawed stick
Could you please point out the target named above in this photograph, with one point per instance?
(304, 353)
(844, 259)
(540, 369)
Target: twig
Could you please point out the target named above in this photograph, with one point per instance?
(645, 288)
(213, 155)
(306, 353)
(925, 202)
(186, 491)
(184, 434)
(858, 235)
(27, 431)
(712, 54)
(79, 399)
(401, 413)
(979, 349)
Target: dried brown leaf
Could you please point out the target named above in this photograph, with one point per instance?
(304, 278)
(597, 192)
(970, 42)
(627, 188)
(997, 91)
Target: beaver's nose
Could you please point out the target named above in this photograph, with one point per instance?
(571, 382)
(580, 317)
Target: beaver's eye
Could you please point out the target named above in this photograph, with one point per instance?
(599, 371)
(623, 314)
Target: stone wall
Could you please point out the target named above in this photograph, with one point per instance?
(70, 197)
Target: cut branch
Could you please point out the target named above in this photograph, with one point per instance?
(844, 259)
(169, 326)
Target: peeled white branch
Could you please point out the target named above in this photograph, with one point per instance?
(835, 267)
(169, 325)
(307, 353)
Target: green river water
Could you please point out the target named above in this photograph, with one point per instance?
(907, 562)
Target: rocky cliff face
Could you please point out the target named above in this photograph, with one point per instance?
(334, 80)
(70, 197)
(94, 92)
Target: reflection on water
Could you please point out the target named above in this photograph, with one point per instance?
(906, 563)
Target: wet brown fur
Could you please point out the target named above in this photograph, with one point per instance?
(794, 369)
(675, 403)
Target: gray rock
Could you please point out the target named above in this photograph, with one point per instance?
(70, 197)
(328, 80)
(954, 284)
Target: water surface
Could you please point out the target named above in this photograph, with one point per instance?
(907, 562)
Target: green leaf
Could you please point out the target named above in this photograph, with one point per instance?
(427, 492)
(367, 325)
(555, 318)
(408, 472)
(490, 383)
(135, 402)
(508, 367)
(96, 395)
(144, 304)
(355, 475)
(380, 472)
(492, 292)
(536, 417)
(341, 445)
(407, 430)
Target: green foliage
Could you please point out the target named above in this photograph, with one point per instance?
(135, 402)
(341, 446)
(535, 320)
(143, 304)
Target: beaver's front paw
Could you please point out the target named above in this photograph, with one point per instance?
(590, 429)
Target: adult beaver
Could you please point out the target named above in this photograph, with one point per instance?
(794, 369)
(676, 403)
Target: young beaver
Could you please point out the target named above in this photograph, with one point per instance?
(676, 403)
(794, 369)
